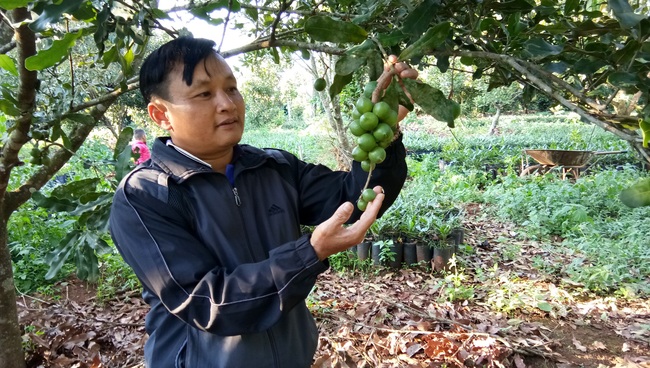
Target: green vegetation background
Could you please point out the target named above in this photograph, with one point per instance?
(605, 243)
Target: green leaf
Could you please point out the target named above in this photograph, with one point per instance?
(123, 141)
(570, 6)
(73, 190)
(391, 95)
(514, 25)
(123, 164)
(419, 19)
(252, 13)
(49, 57)
(545, 306)
(56, 259)
(622, 79)
(8, 64)
(98, 218)
(490, 24)
(645, 131)
(98, 204)
(52, 14)
(81, 118)
(58, 133)
(348, 64)
(275, 54)
(624, 13)
(204, 11)
(8, 108)
(512, 6)
(110, 56)
(442, 63)
(363, 49)
(587, 66)
(86, 259)
(557, 67)
(638, 195)
(85, 12)
(538, 48)
(391, 39)
(128, 61)
(432, 39)
(103, 29)
(339, 82)
(375, 65)
(432, 101)
(53, 203)
(13, 4)
(324, 28)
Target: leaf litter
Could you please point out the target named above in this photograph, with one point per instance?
(515, 316)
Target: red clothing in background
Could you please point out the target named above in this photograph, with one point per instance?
(142, 149)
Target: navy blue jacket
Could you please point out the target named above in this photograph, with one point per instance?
(221, 258)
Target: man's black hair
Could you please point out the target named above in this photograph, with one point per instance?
(186, 50)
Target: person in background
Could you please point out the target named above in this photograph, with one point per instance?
(212, 227)
(139, 146)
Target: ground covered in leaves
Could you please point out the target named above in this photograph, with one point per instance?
(497, 309)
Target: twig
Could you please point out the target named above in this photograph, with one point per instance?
(225, 25)
(424, 315)
(23, 295)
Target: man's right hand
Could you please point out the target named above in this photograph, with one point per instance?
(332, 237)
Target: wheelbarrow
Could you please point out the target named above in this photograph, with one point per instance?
(569, 161)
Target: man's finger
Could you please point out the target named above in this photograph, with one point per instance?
(409, 73)
(401, 66)
(369, 215)
(401, 113)
(342, 213)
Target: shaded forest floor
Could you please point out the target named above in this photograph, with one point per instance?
(498, 309)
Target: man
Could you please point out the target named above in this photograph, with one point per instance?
(212, 228)
(139, 146)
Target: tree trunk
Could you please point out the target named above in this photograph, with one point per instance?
(495, 121)
(11, 353)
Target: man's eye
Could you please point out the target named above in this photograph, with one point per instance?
(204, 94)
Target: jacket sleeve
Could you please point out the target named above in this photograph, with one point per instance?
(322, 191)
(156, 240)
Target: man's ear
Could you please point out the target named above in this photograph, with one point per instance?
(158, 113)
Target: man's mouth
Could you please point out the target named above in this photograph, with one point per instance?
(227, 122)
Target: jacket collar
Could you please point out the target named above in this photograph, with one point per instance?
(181, 165)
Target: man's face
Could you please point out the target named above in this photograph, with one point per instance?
(207, 117)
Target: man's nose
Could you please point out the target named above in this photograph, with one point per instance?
(223, 101)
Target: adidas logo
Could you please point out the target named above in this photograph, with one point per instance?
(275, 210)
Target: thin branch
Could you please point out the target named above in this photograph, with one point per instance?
(72, 84)
(533, 79)
(563, 84)
(225, 25)
(295, 11)
(105, 98)
(274, 26)
(7, 20)
(8, 47)
(255, 45)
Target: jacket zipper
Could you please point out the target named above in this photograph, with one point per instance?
(237, 199)
(230, 175)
